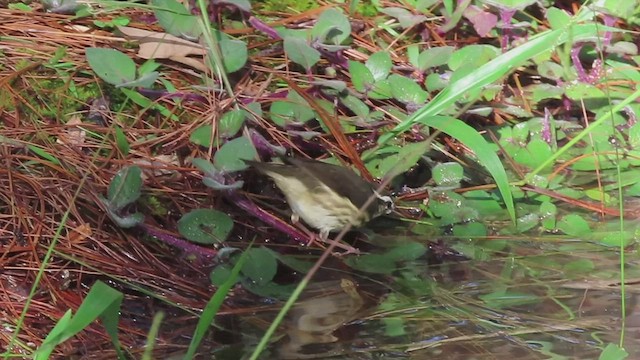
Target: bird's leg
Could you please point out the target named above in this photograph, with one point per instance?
(295, 218)
(348, 249)
(323, 238)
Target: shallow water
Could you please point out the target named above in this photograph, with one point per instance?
(536, 303)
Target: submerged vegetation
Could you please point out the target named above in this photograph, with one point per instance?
(506, 132)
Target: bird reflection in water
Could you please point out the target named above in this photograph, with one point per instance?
(311, 323)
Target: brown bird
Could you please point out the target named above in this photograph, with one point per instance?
(327, 197)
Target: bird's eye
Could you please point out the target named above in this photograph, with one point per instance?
(389, 206)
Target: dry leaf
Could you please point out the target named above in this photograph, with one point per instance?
(157, 45)
(72, 135)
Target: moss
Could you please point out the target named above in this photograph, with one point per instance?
(154, 205)
(287, 6)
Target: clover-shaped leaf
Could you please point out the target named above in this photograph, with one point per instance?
(205, 226)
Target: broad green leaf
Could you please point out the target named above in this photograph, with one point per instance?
(175, 19)
(448, 174)
(205, 226)
(434, 57)
(261, 266)
(332, 27)
(361, 76)
(357, 106)
(231, 122)
(481, 54)
(124, 188)
(405, 17)
(292, 110)
(407, 90)
(372, 263)
(472, 230)
(231, 155)
(111, 65)
(557, 18)
(574, 225)
(202, 135)
(234, 54)
(144, 81)
(381, 90)
(613, 352)
(300, 52)
(510, 4)
(379, 64)
(485, 153)
(407, 252)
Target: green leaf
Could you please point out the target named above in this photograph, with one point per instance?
(121, 141)
(294, 263)
(230, 157)
(176, 19)
(407, 157)
(261, 266)
(622, 9)
(357, 106)
(406, 90)
(536, 153)
(527, 222)
(580, 91)
(501, 298)
(579, 267)
(300, 52)
(372, 263)
(448, 174)
(202, 135)
(211, 309)
(292, 110)
(557, 18)
(406, 18)
(434, 57)
(101, 302)
(124, 188)
(361, 76)
(490, 72)
(481, 54)
(231, 122)
(20, 6)
(548, 212)
(472, 230)
(435, 82)
(220, 274)
(269, 289)
(574, 225)
(234, 54)
(144, 81)
(407, 252)
(510, 4)
(205, 226)
(613, 352)
(332, 27)
(379, 64)
(43, 154)
(111, 65)
(484, 152)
